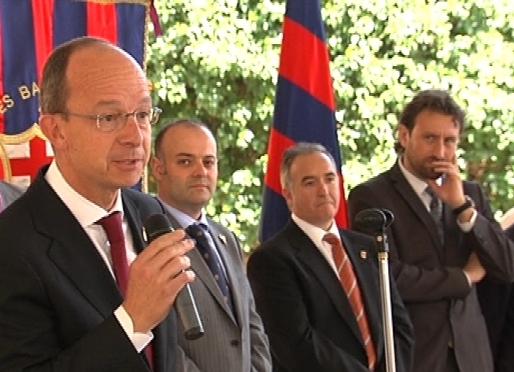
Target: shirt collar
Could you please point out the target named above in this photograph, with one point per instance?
(85, 211)
(313, 232)
(417, 184)
(183, 219)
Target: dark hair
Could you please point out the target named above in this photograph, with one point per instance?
(290, 154)
(434, 100)
(54, 89)
(187, 122)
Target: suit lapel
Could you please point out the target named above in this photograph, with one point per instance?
(406, 192)
(71, 249)
(202, 271)
(314, 261)
(221, 241)
(135, 223)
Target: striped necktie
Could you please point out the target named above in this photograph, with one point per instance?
(351, 287)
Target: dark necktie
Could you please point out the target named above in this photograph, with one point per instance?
(351, 287)
(436, 211)
(113, 228)
(207, 250)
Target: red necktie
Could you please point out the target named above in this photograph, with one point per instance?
(112, 226)
(351, 287)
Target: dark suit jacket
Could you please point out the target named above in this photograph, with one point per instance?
(230, 343)
(497, 301)
(429, 276)
(57, 296)
(306, 313)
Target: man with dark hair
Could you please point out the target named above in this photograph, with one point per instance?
(444, 239)
(68, 299)
(317, 286)
(185, 166)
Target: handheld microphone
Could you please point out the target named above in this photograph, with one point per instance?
(155, 226)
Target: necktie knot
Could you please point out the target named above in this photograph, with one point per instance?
(331, 239)
(112, 226)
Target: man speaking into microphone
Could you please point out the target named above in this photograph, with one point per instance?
(317, 286)
(69, 302)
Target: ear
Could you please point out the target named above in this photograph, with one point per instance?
(286, 193)
(403, 135)
(51, 128)
(157, 168)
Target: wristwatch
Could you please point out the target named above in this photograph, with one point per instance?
(467, 204)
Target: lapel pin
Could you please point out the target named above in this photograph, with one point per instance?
(363, 254)
(222, 238)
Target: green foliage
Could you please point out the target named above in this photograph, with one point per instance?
(218, 58)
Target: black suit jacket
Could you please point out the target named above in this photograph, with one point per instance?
(306, 314)
(441, 303)
(57, 295)
(497, 300)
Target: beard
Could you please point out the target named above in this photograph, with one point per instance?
(423, 169)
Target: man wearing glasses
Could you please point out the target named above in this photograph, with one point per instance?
(68, 299)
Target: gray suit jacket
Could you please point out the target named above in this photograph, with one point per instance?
(9, 193)
(229, 344)
(429, 275)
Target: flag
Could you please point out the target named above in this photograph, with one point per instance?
(304, 107)
(29, 31)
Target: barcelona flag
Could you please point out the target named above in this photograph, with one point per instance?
(29, 31)
(304, 106)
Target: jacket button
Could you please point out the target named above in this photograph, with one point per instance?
(234, 343)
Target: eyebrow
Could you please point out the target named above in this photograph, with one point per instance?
(114, 102)
(185, 154)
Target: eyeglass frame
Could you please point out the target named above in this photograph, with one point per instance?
(153, 117)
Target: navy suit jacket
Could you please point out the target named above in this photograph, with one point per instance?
(306, 313)
(57, 295)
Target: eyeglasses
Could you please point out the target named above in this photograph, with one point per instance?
(112, 122)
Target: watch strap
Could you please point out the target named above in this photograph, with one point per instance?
(467, 204)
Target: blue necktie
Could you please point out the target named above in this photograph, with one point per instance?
(205, 246)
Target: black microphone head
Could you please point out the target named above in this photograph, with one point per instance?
(373, 219)
(389, 217)
(155, 226)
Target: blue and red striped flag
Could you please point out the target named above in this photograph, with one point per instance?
(29, 31)
(304, 106)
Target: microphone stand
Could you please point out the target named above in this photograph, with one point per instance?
(385, 294)
(375, 221)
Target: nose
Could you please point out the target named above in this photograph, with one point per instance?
(323, 188)
(200, 169)
(439, 149)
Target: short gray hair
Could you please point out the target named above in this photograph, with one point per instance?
(290, 154)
